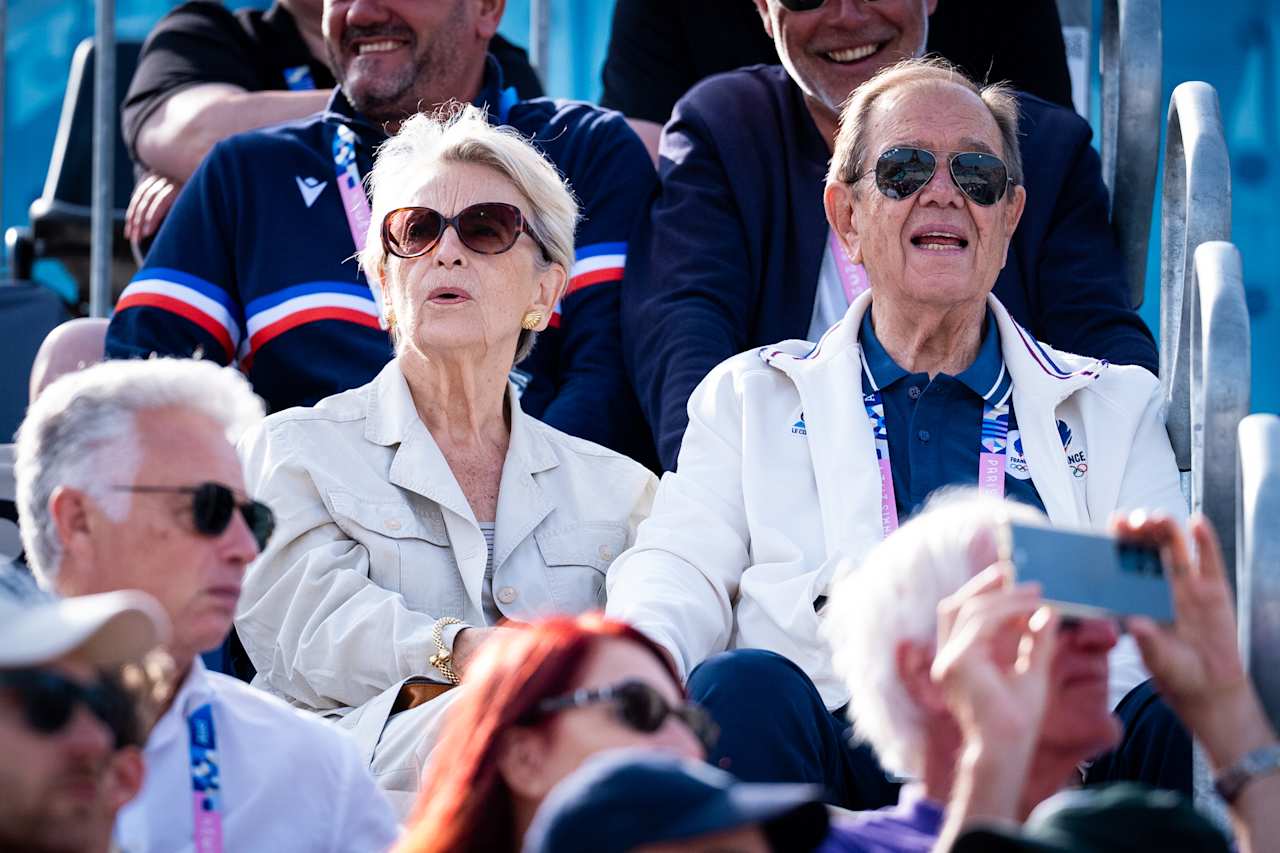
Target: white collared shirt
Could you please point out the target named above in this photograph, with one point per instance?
(290, 781)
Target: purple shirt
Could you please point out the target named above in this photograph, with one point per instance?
(912, 826)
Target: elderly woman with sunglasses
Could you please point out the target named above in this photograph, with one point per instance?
(420, 510)
(798, 454)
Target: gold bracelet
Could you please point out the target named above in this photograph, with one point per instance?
(443, 658)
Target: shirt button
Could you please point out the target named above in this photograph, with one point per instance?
(606, 553)
(914, 392)
(923, 435)
(506, 595)
(393, 524)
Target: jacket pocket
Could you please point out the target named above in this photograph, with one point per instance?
(577, 558)
(382, 528)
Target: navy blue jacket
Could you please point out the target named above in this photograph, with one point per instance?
(254, 266)
(729, 255)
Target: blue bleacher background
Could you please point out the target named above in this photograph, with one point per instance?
(1235, 48)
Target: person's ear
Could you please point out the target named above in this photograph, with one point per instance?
(74, 522)
(489, 18)
(552, 283)
(914, 662)
(762, 7)
(842, 216)
(1013, 215)
(128, 772)
(522, 763)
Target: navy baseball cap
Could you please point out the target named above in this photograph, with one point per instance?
(621, 799)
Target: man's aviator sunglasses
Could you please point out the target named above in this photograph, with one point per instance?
(213, 506)
(638, 706)
(490, 228)
(902, 172)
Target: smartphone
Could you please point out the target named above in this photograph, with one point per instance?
(1090, 576)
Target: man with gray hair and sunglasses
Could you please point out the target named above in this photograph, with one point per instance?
(127, 479)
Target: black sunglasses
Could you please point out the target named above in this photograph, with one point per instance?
(639, 706)
(490, 228)
(49, 700)
(901, 172)
(212, 505)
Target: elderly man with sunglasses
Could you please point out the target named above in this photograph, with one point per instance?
(126, 480)
(798, 454)
(71, 732)
(735, 252)
(253, 265)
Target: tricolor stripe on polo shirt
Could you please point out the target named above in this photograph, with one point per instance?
(271, 316)
(594, 264)
(190, 297)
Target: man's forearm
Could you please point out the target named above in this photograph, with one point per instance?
(177, 136)
(1230, 729)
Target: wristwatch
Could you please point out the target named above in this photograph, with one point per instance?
(443, 658)
(1260, 762)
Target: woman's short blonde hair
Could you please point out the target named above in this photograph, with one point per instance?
(463, 134)
(849, 160)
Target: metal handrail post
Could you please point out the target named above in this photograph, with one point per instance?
(1132, 63)
(1218, 336)
(1258, 541)
(104, 150)
(539, 34)
(1195, 209)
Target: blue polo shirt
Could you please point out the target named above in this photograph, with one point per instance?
(935, 425)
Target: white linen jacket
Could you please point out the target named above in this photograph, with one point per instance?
(777, 481)
(375, 541)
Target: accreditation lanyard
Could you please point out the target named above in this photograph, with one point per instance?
(355, 204)
(206, 784)
(993, 442)
(853, 277)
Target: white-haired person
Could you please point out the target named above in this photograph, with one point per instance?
(965, 682)
(127, 479)
(422, 509)
(798, 454)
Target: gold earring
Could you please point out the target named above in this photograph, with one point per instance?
(531, 320)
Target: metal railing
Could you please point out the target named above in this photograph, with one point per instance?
(1130, 65)
(1258, 548)
(1131, 62)
(539, 37)
(1196, 208)
(1210, 385)
(104, 149)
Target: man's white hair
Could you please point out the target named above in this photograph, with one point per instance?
(81, 432)
(892, 596)
(461, 135)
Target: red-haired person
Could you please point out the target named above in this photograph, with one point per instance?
(541, 699)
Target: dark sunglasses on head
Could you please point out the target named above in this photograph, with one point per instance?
(490, 228)
(901, 172)
(640, 707)
(212, 507)
(49, 699)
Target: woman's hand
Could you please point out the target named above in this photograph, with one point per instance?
(1195, 662)
(465, 644)
(150, 203)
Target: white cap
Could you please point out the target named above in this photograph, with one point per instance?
(109, 628)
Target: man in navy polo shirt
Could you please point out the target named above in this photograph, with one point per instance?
(254, 264)
(736, 251)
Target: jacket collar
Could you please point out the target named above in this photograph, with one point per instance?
(392, 421)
